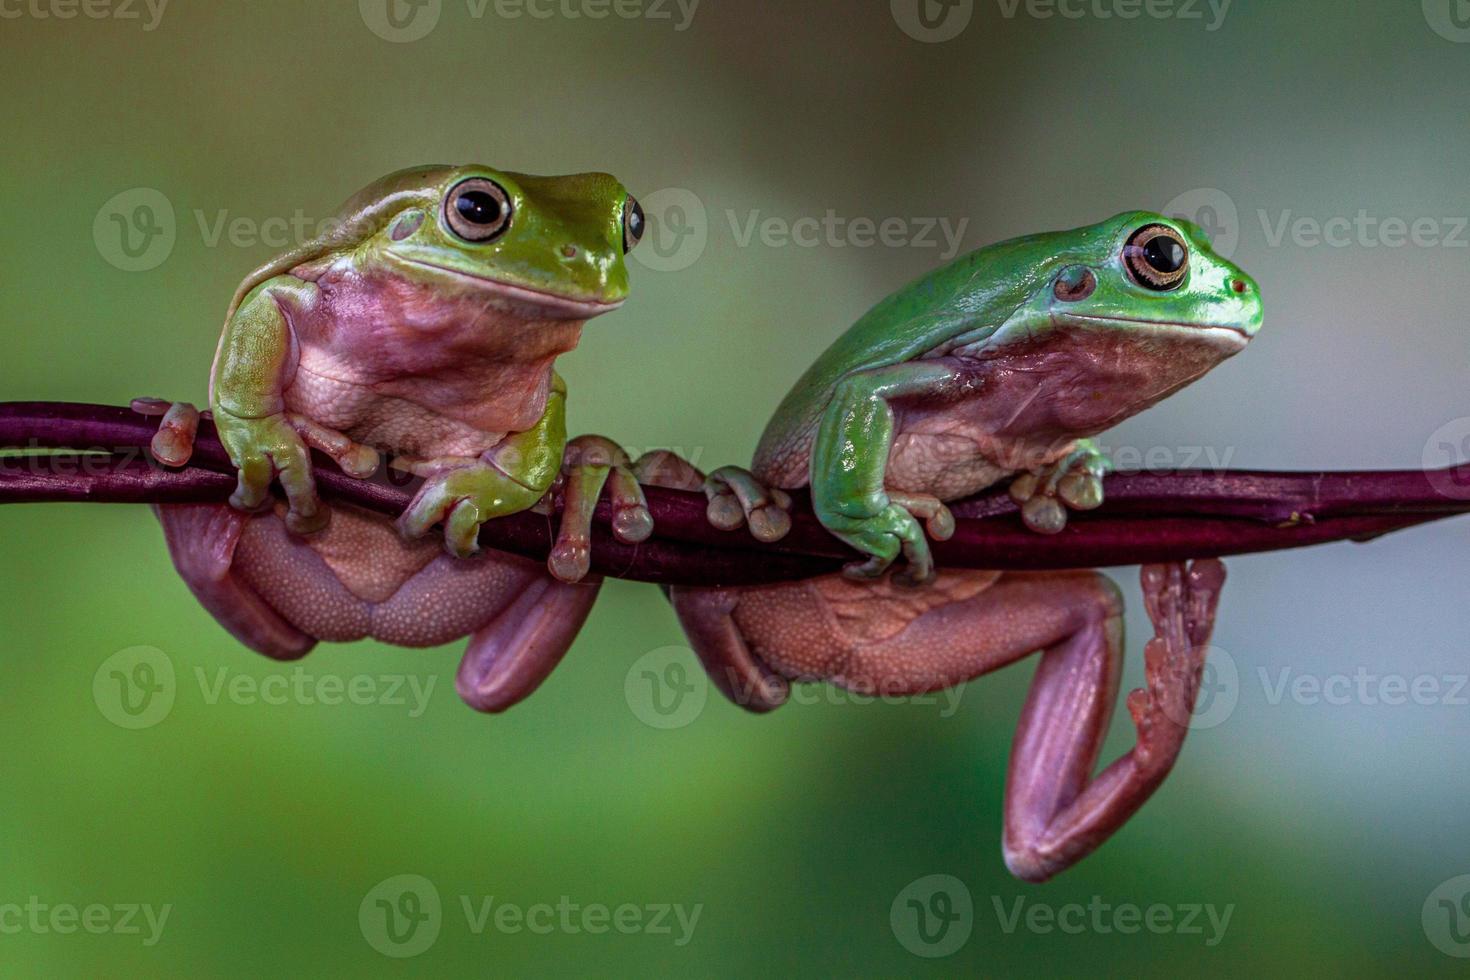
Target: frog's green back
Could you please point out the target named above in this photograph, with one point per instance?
(361, 216)
(970, 298)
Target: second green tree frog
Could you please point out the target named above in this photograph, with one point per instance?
(997, 366)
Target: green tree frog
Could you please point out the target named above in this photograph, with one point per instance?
(997, 366)
(423, 324)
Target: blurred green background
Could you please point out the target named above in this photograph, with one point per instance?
(1328, 828)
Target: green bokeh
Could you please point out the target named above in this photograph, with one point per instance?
(265, 827)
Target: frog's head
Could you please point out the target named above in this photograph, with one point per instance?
(1146, 273)
(548, 247)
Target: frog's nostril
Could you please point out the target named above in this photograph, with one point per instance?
(1240, 286)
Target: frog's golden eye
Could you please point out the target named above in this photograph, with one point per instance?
(633, 221)
(1157, 257)
(477, 209)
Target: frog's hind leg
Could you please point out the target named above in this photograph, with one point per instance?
(510, 656)
(202, 539)
(882, 639)
(1056, 812)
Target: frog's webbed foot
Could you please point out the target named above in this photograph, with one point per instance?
(589, 464)
(1074, 481)
(736, 497)
(173, 443)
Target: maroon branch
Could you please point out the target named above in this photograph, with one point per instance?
(98, 453)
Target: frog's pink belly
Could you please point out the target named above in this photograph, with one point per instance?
(358, 579)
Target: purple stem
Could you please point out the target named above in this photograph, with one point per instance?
(1147, 517)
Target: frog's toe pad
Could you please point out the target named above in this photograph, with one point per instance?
(769, 524)
(632, 525)
(724, 512)
(570, 560)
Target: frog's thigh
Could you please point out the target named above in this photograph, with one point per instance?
(882, 638)
(202, 539)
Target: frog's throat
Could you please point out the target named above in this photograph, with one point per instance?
(553, 305)
(1228, 335)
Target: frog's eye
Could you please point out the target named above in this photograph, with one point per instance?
(633, 221)
(1157, 257)
(477, 209)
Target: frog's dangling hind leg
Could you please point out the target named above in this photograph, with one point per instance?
(1055, 812)
(508, 658)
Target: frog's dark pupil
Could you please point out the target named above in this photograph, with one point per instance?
(1164, 254)
(635, 221)
(479, 207)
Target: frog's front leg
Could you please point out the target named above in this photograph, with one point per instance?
(1073, 481)
(850, 460)
(463, 493)
(1056, 812)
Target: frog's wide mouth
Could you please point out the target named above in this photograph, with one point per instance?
(557, 305)
(1229, 333)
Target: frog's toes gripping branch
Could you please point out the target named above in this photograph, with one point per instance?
(173, 445)
(737, 498)
(1074, 481)
(590, 464)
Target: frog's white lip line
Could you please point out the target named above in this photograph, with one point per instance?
(1201, 327)
(551, 302)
